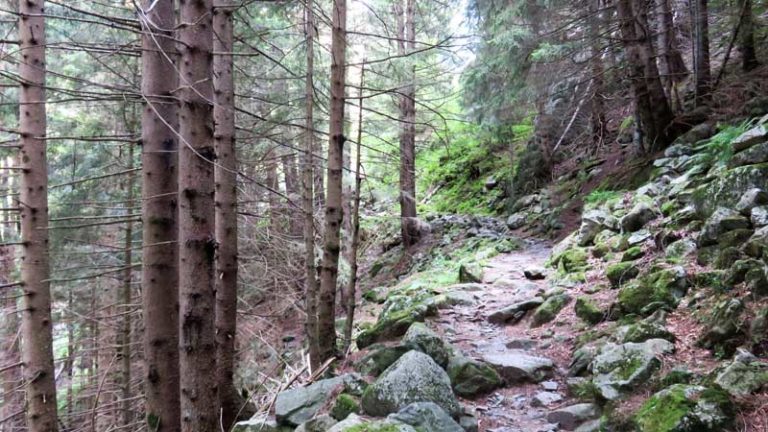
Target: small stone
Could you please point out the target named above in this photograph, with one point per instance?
(749, 138)
(550, 385)
(521, 344)
(545, 398)
(534, 273)
(516, 221)
(514, 312)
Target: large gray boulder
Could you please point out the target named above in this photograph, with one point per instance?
(743, 376)
(620, 368)
(415, 377)
(721, 221)
(752, 198)
(518, 366)
(296, 406)
(422, 338)
(426, 417)
(592, 222)
(470, 377)
(750, 138)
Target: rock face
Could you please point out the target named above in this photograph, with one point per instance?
(685, 408)
(415, 377)
(422, 338)
(296, 406)
(620, 368)
(517, 366)
(426, 417)
(471, 377)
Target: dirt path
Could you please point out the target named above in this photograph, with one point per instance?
(511, 409)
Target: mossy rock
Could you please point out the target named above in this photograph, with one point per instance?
(677, 376)
(470, 273)
(727, 257)
(725, 329)
(734, 238)
(376, 295)
(707, 255)
(379, 358)
(669, 207)
(549, 309)
(344, 405)
(588, 311)
(728, 188)
(658, 290)
(633, 253)
(621, 272)
(644, 330)
(471, 377)
(737, 272)
(422, 338)
(395, 323)
(686, 408)
(571, 260)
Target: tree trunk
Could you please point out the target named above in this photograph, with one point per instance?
(651, 104)
(159, 277)
(671, 64)
(197, 242)
(125, 301)
(225, 173)
(276, 211)
(700, 17)
(352, 287)
(36, 325)
(747, 36)
(307, 180)
(597, 118)
(12, 408)
(290, 175)
(408, 223)
(326, 333)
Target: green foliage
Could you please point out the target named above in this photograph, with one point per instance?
(600, 196)
(718, 149)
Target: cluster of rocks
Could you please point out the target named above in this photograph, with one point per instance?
(695, 236)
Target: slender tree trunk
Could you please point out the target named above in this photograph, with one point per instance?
(597, 118)
(307, 180)
(333, 215)
(651, 104)
(700, 18)
(36, 325)
(407, 43)
(747, 36)
(671, 64)
(291, 177)
(352, 287)
(276, 211)
(12, 408)
(103, 410)
(226, 216)
(159, 277)
(197, 243)
(125, 301)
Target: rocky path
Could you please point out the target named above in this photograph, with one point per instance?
(532, 360)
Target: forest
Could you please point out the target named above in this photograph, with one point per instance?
(383, 215)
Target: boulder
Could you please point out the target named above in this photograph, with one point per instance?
(344, 405)
(518, 366)
(640, 215)
(737, 272)
(588, 311)
(685, 408)
(593, 222)
(470, 273)
(357, 424)
(621, 272)
(750, 138)
(534, 273)
(633, 253)
(582, 359)
(757, 282)
(568, 418)
(644, 330)
(296, 406)
(471, 377)
(724, 327)
(681, 249)
(260, 423)
(399, 312)
(415, 377)
(756, 154)
(571, 260)
(698, 133)
(380, 357)
(721, 221)
(743, 376)
(752, 198)
(657, 290)
(728, 188)
(320, 423)
(549, 309)
(759, 216)
(545, 398)
(514, 312)
(422, 338)
(620, 368)
(639, 237)
(426, 417)
(516, 221)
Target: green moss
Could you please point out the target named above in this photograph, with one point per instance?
(588, 310)
(669, 207)
(658, 289)
(673, 410)
(662, 413)
(344, 406)
(633, 253)
(374, 427)
(571, 260)
(585, 391)
(549, 309)
(621, 272)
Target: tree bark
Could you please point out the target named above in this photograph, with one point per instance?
(225, 173)
(333, 213)
(671, 64)
(197, 243)
(650, 101)
(125, 301)
(700, 17)
(159, 276)
(352, 287)
(307, 190)
(276, 210)
(747, 36)
(290, 174)
(12, 407)
(597, 118)
(36, 325)
(407, 43)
